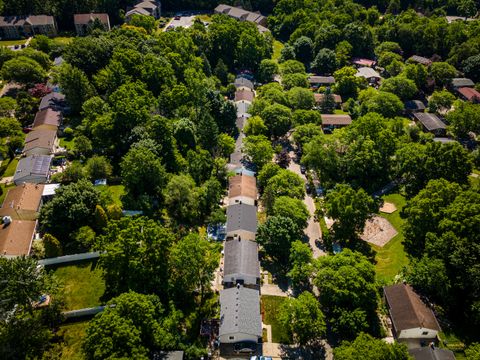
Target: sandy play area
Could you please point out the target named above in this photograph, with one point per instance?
(378, 231)
(388, 208)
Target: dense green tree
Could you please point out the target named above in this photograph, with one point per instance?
(350, 209)
(284, 183)
(303, 48)
(22, 283)
(267, 70)
(346, 83)
(303, 319)
(299, 98)
(301, 267)
(367, 347)
(440, 101)
(442, 73)
(464, 118)
(145, 22)
(76, 86)
(89, 54)
(429, 276)
(381, 102)
(305, 133)
(98, 167)
(292, 67)
(472, 352)
(404, 88)
(266, 173)
(417, 73)
(9, 126)
(294, 80)
(424, 212)
(72, 207)
(418, 164)
(255, 126)
(346, 282)
(193, 261)
(8, 106)
(325, 62)
(258, 150)
(143, 175)
(471, 67)
(23, 70)
(182, 199)
(276, 236)
(277, 118)
(52, 246)
(304, 117)
(292, 208)
(135, 256)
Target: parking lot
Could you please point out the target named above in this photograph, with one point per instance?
(180, 21)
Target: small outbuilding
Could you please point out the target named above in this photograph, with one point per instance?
(469, 94)
(430, 123)
(316, 81)
(369, 74)
(335, 121)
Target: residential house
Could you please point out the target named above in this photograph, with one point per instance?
(15, 27)
(23, 202)
(242, 189)
(84, 22)
(317, 81)
(240, 318)
(335, 121)
(372, 76)
(414, 106)
(33, 169)
(244, 94)
(431, 353)
(320, 97)
(55, 101)
(47, 119)
(413, 322)
(451, 19)
(241, 265)
(242, 221)
(469, 94)
(168, 355)
(430, 123)
(41, 142)
(420, 60)
(359, 62)
(241, 15)
(461, 82)
(16, 237)
(243, 82)
(146, 8)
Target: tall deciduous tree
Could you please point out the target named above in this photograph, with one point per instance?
(303, 319)
(23, 70)
(367, 347)
(76, 86)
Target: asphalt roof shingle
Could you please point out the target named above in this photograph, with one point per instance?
(242, 217)
(241, 258)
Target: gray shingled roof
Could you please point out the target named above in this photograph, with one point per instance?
(243, 82)
(33, 165)
(430, 121)
(240, 312)
(462, 82)
(241, 257)
(427, 353)
(314, 79)
(242, 217)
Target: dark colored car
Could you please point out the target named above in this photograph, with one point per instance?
(245, 347)
(303, 169)
(177, 17)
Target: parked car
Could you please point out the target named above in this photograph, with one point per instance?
(177, 17)
(261, 358)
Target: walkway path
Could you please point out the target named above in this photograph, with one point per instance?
(313, 231)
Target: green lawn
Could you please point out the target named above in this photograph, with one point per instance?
(12, 166)
(65, 143)
(270, 308)
(12, 42)
(62, 40)
(113, 193)
(83, 285)
(73, 335)
(277, 49)
(450, 341)
(392, 257)
(5, 191)
(205, 17)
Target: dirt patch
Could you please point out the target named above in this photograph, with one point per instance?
(388, 208)
(378, 231)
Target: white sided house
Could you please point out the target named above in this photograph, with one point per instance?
(241, 221)
(240, 318)
(241, 265)
(242, 189)
(413, 322)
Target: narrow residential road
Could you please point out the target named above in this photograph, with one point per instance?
(313, 231)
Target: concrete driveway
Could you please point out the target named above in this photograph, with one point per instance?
(183, 21)
(313, 231)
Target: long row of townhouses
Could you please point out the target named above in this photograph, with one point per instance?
(240, 318)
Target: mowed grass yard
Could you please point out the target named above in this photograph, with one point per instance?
(83, 285)
(277, 49)
(113, 193)
(73, 335)
(392, 257)
(270, 309)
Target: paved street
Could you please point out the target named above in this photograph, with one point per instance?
(313, 230)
